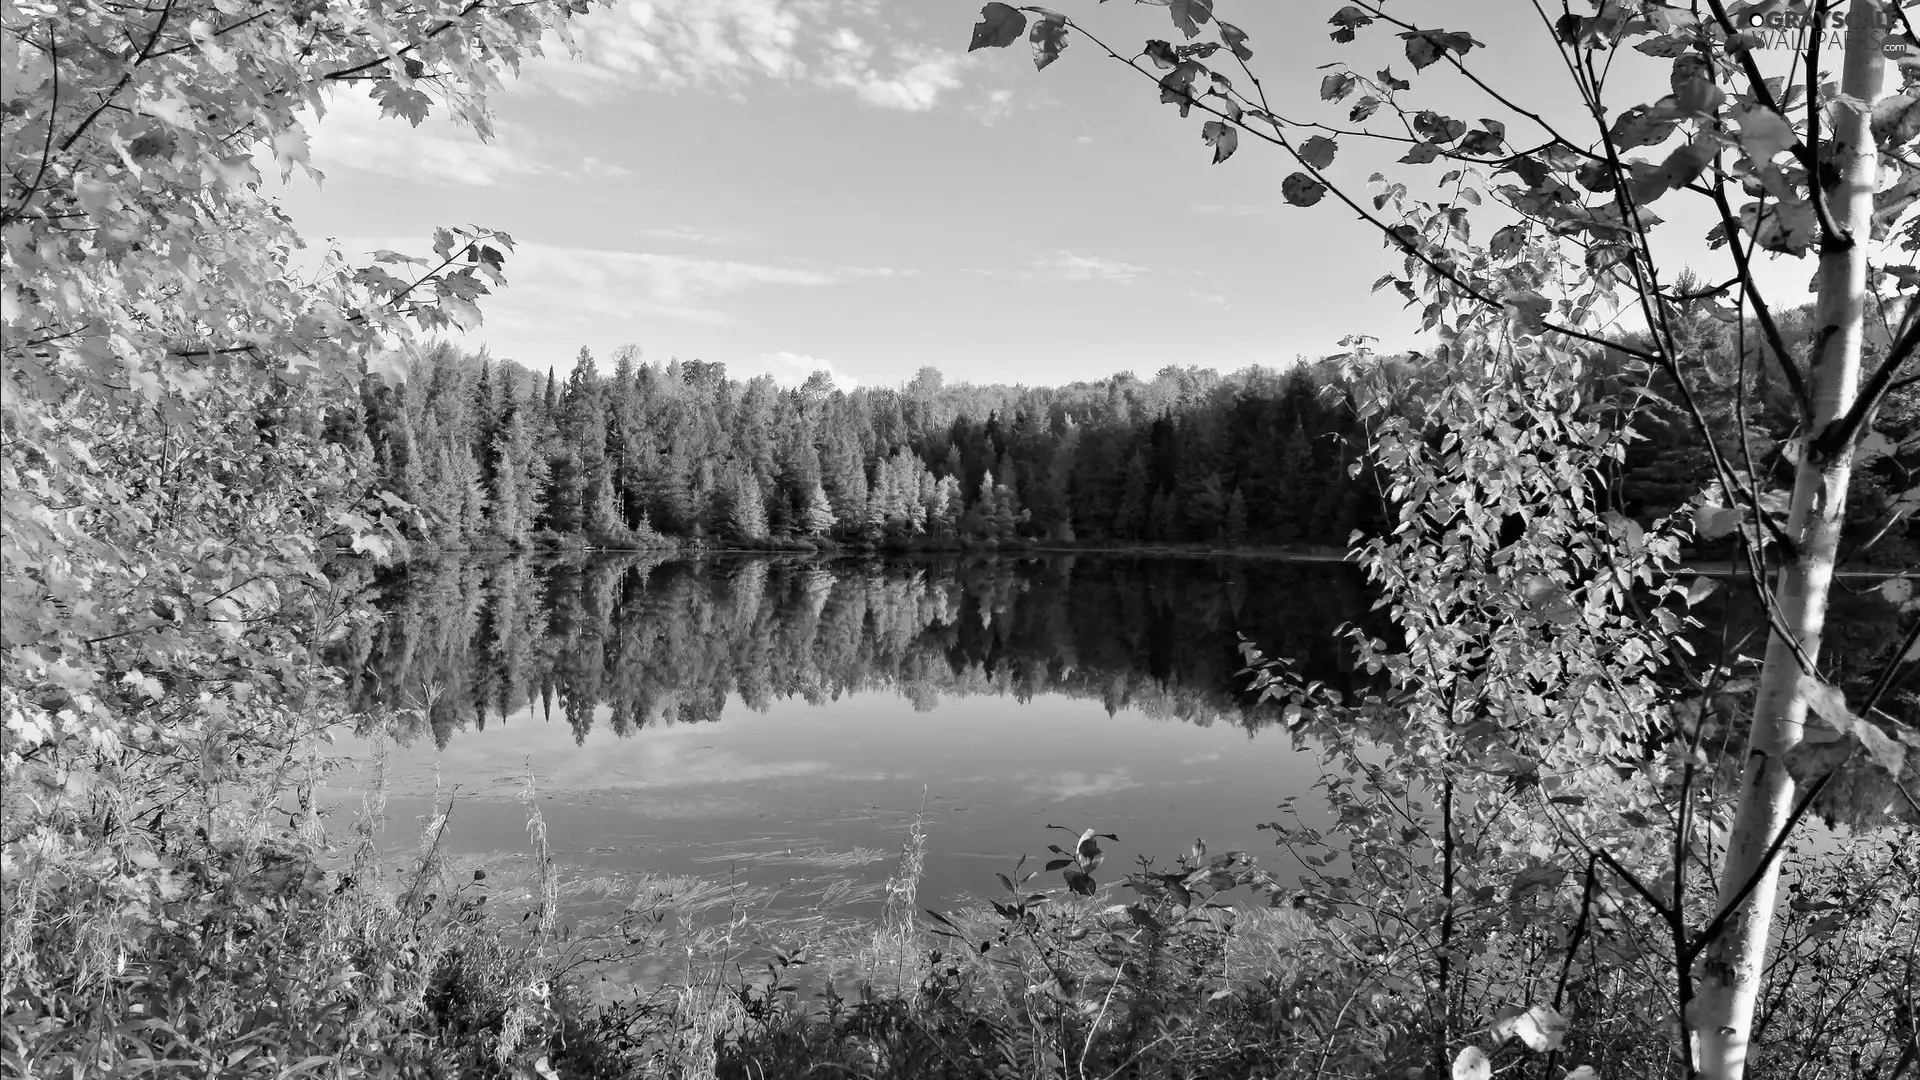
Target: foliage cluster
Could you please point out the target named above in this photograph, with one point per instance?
(172, 496)
(1787, 165)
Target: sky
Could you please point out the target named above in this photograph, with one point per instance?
(791, 185)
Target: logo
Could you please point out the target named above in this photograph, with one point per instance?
(1839, 23)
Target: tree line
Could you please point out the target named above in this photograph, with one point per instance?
(643, 454)
(499, 455)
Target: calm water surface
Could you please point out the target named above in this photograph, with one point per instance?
(777, 724)
(780, 723)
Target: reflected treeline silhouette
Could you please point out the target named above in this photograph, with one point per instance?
(639, 640)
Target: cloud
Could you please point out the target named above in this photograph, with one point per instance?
(1066, 266)
(355, 137)
(551, 287)
(600, 283)
(792, 369)
(694, 234)
(1075, 785)
(728, 45)
(998, 105)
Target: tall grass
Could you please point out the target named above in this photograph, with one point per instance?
(220, 929)
(893, 959)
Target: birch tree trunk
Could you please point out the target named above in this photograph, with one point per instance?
(1730, 973)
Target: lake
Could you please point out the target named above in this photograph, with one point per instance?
(780, 723)
(753, 735)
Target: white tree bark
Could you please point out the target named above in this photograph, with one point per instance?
(1729, 978)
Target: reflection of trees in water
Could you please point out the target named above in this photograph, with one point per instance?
(657, 641)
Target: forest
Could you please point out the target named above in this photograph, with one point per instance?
(634, 453)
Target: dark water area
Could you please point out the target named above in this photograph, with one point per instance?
(783, 722)
(778, 725)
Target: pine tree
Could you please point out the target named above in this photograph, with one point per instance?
(746, 509)
(1160, 517)
(601, 518)
(1130, 520)
(1236, 518)
(816, 514)
(485, 412)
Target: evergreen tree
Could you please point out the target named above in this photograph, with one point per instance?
(1236, 524)
(746, 509)
(816, 513)
(1130, 520)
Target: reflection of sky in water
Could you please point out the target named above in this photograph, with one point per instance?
(774, 795)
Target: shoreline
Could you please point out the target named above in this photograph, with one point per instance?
(1717, 569)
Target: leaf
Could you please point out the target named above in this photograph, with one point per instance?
(1235, 39)
(1421, 154)
(1528, 310)
(1162, 54)
(1471, 1064)
(1436, 128)
(1699, 589)
(1223, 137)
(396, 100)
(1363, 108)
(1685, 163)
(1884, 752)
(1422, 52)
(1507, 241)
(1081, 883)
(1663, 46)
(1302, 190)
(1897, 591)
(1640, 126)
(1828, 702)
(1337, 85)
(1485, 143)
(1698, 96)
(1764, 133)
(1049, 38)
(1424, 47)
(1000, 25)
(1713, 522)
(1176, 86)
(1809, 761)
(1541, 1028)
(1347, 20)
(1190, 15)
(1318, 152)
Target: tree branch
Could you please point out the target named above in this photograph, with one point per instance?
(350, 72)
(1885, 682)
(1795, 380)
(1840, 434)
